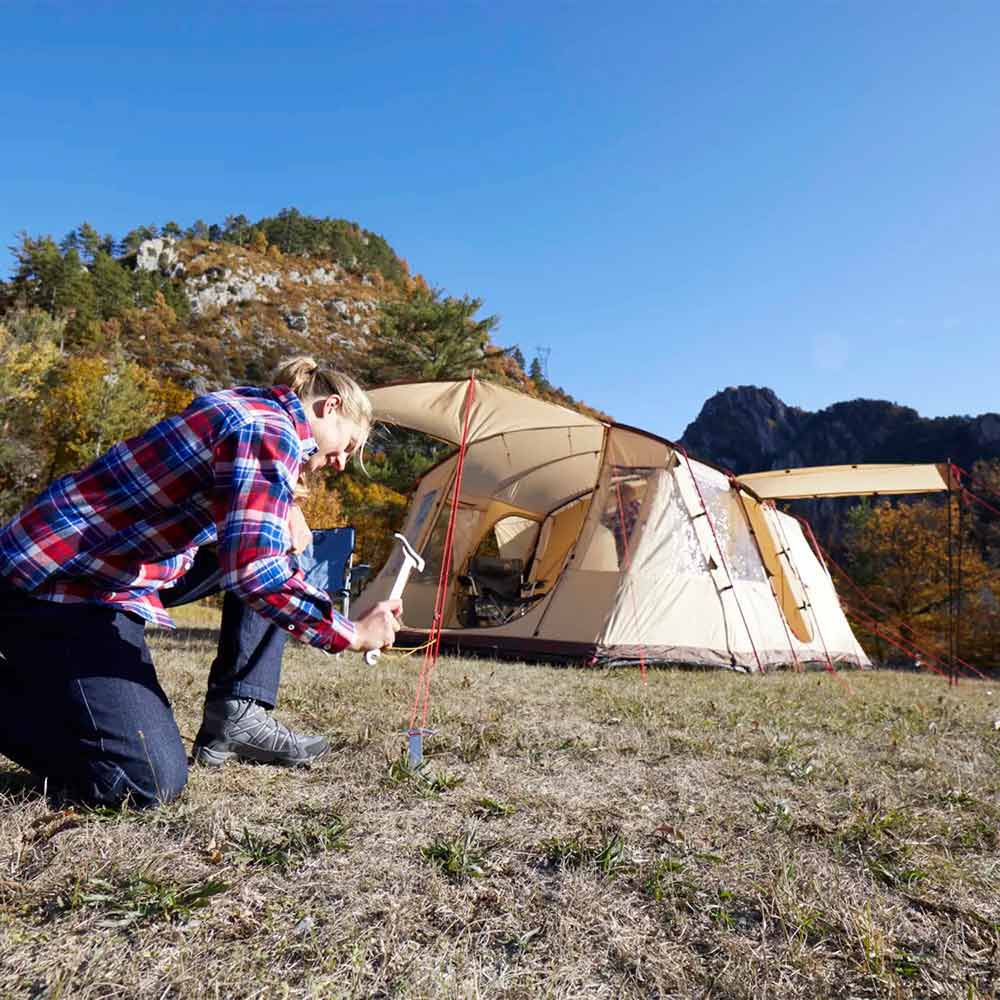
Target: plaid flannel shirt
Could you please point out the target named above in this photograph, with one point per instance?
(128, 525)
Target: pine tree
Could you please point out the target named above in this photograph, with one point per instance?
(430, 337)
(132, 239)
(112, 285)
(90, 242)
(71, 241)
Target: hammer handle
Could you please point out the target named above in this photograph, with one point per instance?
(371, 657)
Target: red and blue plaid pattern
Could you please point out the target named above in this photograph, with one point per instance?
(128, 525)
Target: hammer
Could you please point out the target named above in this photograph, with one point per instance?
(411, 561)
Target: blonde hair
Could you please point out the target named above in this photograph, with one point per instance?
(310, 380)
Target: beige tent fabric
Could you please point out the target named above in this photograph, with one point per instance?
(559, 533)
(691, 592)
(611, 521)
(785, 583)
(846, 480)
(533, 470)
(438, 408)
(515, 537)
(831, 631)
(677, 595)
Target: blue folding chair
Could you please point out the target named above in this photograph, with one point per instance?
(330, 565)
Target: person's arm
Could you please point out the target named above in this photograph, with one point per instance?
(255, 470)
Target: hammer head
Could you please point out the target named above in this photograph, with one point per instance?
(410, 552)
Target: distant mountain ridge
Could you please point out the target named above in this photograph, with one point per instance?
(749, 429)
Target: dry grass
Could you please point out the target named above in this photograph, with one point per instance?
(575, 834)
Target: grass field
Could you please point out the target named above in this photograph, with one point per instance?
(574, 834)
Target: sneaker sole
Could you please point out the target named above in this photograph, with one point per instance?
(208, 757)
(214, 757)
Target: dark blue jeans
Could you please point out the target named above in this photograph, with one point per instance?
(80, 704)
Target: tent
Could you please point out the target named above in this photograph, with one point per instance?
(584, 540)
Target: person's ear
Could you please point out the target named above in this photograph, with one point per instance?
(332, 404)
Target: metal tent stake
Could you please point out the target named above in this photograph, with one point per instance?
(415, 746)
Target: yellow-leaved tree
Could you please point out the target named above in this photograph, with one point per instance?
(375, 511)
(99, 401)
(29, 352)
(899, 555)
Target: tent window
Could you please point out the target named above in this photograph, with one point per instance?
(515, 537)
(466, 519)
(426, 506)
(623, 505)
(730, 525)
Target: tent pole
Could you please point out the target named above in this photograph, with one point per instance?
(951, 591)
(958, 609)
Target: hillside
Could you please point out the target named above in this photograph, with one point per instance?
(101, 337)
(218, 304)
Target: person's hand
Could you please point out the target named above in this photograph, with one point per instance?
(301, 535)
(378, 628)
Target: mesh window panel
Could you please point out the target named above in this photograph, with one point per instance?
(730, 525)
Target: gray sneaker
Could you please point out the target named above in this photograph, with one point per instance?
(239, 728)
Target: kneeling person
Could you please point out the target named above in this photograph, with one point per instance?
(89, 562)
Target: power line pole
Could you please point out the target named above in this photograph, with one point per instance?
(542, 353)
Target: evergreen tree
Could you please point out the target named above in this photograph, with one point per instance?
(428, 336)
(518, 357)
(173, 230)
(132, 239)
(112, 285)
(90, 242)
(237, 229)
(71, 241)
(76, 299)
(41, 271)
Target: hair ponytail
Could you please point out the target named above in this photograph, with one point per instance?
(310, 380)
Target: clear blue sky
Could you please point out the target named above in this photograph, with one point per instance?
(673, 197)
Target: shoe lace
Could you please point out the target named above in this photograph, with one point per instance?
(263, 729)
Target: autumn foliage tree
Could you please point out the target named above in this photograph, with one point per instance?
(99, 401)
(899, 556)
(29, 353)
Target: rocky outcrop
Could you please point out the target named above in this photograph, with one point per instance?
(250, 308)
(749, 429)
(160, 255)
(741, 427)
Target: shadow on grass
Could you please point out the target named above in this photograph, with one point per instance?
(185, 634)
(20, 786)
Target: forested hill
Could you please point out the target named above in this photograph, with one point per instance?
(749, 429)
(218, 304)
(101, 336)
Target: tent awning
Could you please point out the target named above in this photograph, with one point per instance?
(847, 481)
(438, 408)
